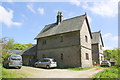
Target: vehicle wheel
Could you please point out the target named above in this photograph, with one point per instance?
(36, 65)
(47, 66)
(4, 65)
(19, 67)
(7, 66)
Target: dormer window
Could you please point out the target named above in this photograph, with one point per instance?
(86, 39)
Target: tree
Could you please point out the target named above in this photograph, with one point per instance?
(19, 46)
(29, 44)
(111, 54)
(10, 43)
(7, 43)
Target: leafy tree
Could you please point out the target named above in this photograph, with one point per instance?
(10, 43)
(19, 46)
(111, 54)
(29, 44)
(6, 46)
(7, 43)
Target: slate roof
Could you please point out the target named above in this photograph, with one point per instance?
(96, 36)
(15, 51)
(68, 25)
(30, 51)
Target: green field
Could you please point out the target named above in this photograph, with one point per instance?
(80, 68)
(109, 72)
(0, 71)
(11, 73)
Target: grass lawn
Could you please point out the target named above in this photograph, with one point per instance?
(11, 73)
(0, 71)
(80, 68)
(109, 72)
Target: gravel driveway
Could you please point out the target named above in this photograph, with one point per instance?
(58, 73)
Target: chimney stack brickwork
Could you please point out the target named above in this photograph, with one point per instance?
(59, 17)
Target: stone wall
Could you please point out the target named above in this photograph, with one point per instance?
(54, 48)
(69, 39)
(71, 56)
(85, 45)
(95, 52)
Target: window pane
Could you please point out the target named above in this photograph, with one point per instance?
(87, 56)
(86, 39)
(61, 56)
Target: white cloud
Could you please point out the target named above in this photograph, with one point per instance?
(110, 37)
(107, 48)
(31, 8)
(103, 8)
(75, 2)
(110, 40)
(9, 0)
(6, 17)
(107, 35)
(41, 11)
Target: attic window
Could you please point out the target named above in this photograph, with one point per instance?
(44, 42)
(86, 39)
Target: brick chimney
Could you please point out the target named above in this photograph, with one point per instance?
(59, 17)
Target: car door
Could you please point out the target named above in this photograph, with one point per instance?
(37, 63)
(42, 64)
(46, 62)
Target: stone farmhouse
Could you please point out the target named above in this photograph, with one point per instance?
(68, 41)
(97, 47)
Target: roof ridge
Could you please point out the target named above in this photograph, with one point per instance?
(75, 17)
(28, 48)
(68, 19)
(60, 29)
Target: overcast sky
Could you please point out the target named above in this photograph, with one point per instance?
(24, 20)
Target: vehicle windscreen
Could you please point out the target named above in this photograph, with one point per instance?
(16, 58)
(45, 60)
(104, 61)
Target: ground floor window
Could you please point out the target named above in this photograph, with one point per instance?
(61, 56)
(87, 56)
